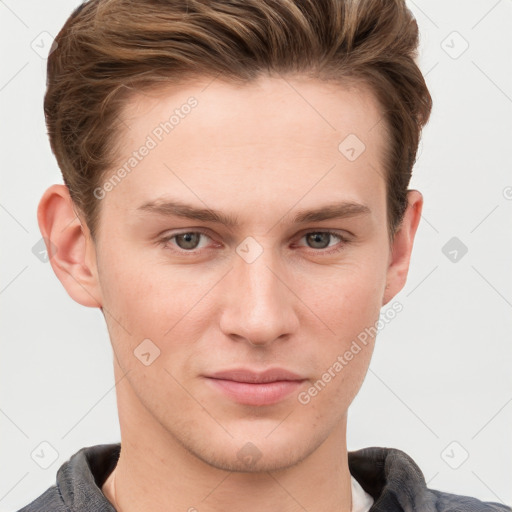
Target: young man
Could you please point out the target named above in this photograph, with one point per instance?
(236, 203)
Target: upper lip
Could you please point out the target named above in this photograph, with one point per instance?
(256, 377)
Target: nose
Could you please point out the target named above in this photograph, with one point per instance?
(259, 305)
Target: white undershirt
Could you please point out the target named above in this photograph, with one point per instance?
(361, 500)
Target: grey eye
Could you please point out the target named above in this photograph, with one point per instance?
(319, 238)
(187, 240)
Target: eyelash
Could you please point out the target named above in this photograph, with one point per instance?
(343, 241)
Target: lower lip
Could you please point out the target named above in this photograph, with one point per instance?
(248, 393)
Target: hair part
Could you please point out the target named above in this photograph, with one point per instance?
(109, 50)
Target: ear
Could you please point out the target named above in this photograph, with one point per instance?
(401, 247)
(71, 251)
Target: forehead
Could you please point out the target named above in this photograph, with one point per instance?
(210, 138)
(275, 102)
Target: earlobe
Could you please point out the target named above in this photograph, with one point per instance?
(71, 251)
(402, 245)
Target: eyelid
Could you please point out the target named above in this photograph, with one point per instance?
(339, 233)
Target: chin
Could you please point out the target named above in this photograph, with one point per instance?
(251, 459)
(255, 450)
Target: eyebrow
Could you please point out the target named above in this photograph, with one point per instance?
(174, 208)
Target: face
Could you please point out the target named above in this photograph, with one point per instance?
(246, 239)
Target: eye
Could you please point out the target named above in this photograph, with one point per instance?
(322, 239)
(187, 241)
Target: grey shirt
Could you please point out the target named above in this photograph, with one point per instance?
(389, 475)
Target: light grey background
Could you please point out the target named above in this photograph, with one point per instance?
(441, 369)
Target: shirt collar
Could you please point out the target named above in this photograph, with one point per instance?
(392, 479)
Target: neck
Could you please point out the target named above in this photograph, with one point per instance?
(155, 472)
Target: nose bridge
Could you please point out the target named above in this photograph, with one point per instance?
(261, 308)
(259, 281)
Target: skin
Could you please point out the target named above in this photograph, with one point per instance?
(293, 307)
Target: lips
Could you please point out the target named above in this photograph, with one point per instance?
(244, 375)
(251, 387)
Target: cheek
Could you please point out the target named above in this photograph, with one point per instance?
(169, 306)
(340, 362)
(348, 303)
(146, 294)
(348, 296)
(330, 394)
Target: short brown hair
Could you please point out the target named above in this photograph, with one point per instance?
(109, 48)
